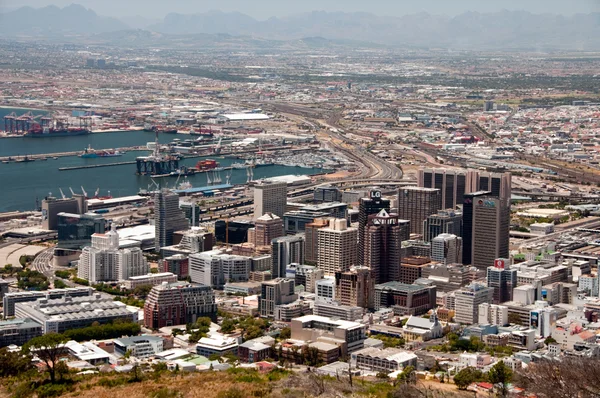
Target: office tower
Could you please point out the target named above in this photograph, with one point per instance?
(295, 221)
(232, 231)
(103, 261)
(336, 247)
(215, 268)
(52, 206)
(178, 303)
(312, 239)
(274, 293)
(467, 235)
(383, 238)
(270, 197)
(492, 314)
(266, 228)
(355, 287)
(453, 184)
(168, 218)
(468, 300)
(444, 222)
(404, 299)
(327, 194)
(285, 251)
(498, 184)
(488, 106)
(446, 249)
(502, 279)
(367, 207)
(325, 290)
(416, 204)
(411, 268)
(75, 230)
(491, 223)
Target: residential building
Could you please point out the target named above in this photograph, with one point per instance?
(274, 293)
(491, 222)
(404, 299)
(61, 314)
(336, 247)
(178, 303)
(502, 279)
(589, 284)
(468, 300)
(18, 331)
(168, 218)
(285, 251)
(75, 230)
(385, 360)
(492, 314)
(216, 268)
(416, 204)
(446, 249)
(306, 275)
(149, 280)
(355, 287)
(367, 207)
(444, 222)
(139, 346)
(312, 239)
(475, 361)
(103, 261)
(220, 346)
(383, 236)
(270, 197)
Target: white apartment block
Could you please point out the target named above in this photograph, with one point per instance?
(492, 314)
(336, 247)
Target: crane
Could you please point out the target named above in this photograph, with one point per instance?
(83, 190)
(61, 193)
(72, 193)
(97, 192)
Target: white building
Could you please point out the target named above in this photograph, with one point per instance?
(149, 279)
(492, 314)
(467, 302)
(476, 361)
(270, 197)
(103, 261)
(386, 360)
(214, 268)
(336, 247)
(542, 228)
(325, 290)
(589, 284)
(446, 249)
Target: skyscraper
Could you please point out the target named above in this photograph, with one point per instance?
(444, 222)
(491, 223)
(312, 239)
(502, 279)
(168, 218)
(285, 251)
(270, 197)
(355, 287)
(499, 185)
(336, 247)
(383, 238)
(51, 206)
(416, 204)
(467, 301)
(446, 249)
(266, 228)
(367, 207)
(467, 233)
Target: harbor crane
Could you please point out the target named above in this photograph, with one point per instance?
(83, 190)
(72, 193)
(61, 193)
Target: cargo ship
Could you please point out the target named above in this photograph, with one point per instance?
(207, 164)
(203, 133)
(38, 132)
(90, 153)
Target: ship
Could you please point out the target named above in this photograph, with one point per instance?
(203, 133)
(165, 129)
(207, 164)
(26, 159)
(38, 132)
(90, 153)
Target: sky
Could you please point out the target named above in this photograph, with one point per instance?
(263, 9)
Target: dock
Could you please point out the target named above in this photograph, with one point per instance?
(40, 156)
(93, 166)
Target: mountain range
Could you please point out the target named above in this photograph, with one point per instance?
(503, 30)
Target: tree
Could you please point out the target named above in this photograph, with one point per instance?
(407, 376)
(142, 291)
(466, 376)
(49, 349)
(549, 340)
(500, 374)
(13, 363)
(285, 333)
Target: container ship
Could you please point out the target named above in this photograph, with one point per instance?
(46, 132)
(90, 153)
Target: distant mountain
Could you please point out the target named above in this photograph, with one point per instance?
(55, 21)
(139, 22)
(505, 30)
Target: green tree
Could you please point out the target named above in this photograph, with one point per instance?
(13, 363)
(60, 284)
(285, 333)
(502, 375)
(49, 349)
(142, 291)
(466, 376)
(549, 340)
(407, 376)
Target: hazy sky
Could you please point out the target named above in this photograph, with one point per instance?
(262, 9)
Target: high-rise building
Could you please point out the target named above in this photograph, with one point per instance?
(446, 249)
(312, 239)
(416, 204)
(453, 184)
(355, 287)
(382, 249)
(103, 261)
(412, 267)
(51, 206)
(232, 231)
(336, 247)
(270, 197)
(467, 234)
(295, 221)
(404, 299)
(215, 268)
(444, 222)
(266, 228)
(178, 303)
(367, 207)
(498, 184)
(491, 224)
(274, 293)
(467, 301)
(168, 218)
(285, 251)
(75, 230)
(327, 194)
(502, 279)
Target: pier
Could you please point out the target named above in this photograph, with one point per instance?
(40, 156)
(93, 166)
